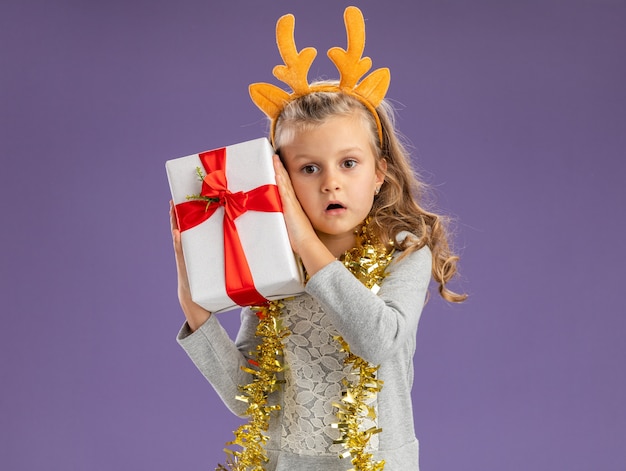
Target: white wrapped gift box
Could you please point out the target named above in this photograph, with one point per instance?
(275, 271)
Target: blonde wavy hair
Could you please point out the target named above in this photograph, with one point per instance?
(398, 205)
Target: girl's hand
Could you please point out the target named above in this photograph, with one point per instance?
(304, 241)
(196, 315)
(299, 227)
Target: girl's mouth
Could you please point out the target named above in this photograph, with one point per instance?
(335, 208)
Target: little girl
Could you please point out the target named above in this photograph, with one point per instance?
(346, 185)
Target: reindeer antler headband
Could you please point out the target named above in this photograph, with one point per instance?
(349, 62)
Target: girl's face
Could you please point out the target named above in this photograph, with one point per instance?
(333, 171)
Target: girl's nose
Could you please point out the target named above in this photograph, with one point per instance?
(331, 182)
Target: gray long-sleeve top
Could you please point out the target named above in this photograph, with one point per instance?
(379, 328)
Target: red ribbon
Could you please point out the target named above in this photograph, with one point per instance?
(239, 283)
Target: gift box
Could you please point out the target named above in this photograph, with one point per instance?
(233, 232)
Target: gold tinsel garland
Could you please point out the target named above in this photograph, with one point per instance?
(266, 364)
(367, 262)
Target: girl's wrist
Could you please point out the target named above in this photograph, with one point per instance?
(315, 256)
(195, 314)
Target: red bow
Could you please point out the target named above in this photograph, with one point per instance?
(239, 283)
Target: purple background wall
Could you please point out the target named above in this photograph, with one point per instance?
(517, 111)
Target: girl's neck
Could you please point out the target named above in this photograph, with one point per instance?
(338, 245)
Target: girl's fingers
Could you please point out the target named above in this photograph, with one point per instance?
(178, 247)
(173, 221)
(298, 225)
(287, 193)
(174, 224)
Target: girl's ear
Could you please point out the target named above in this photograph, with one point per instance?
(381, 171)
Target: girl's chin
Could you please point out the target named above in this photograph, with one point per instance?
(335, 212)
(334, 235)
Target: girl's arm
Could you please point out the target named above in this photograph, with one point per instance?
(195, 314)
(219, 359)
(375, 326)
(206, 342)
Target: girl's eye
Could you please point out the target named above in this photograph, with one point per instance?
(310, 169)
(349, 163)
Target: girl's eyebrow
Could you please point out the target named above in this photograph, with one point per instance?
(350, 150)
(342, 152)
(302, 157)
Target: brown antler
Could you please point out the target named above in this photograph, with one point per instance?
(270, 98)
(297, 64)
(352, 67)
(349, 62)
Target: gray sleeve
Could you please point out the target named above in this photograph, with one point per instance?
(220, 359)
(375, 326)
